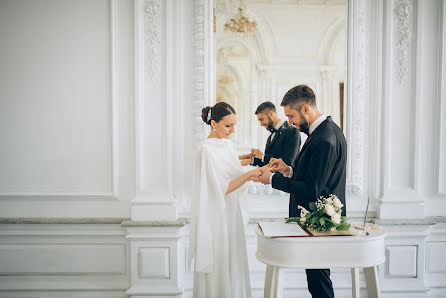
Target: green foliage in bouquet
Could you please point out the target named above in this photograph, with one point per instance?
(325, 215)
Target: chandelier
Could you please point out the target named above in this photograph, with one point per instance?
(215, 22)
(225, 79)
(240, 24)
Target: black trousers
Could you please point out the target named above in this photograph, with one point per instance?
(319, 283)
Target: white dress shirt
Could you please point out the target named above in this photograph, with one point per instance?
(312, 128)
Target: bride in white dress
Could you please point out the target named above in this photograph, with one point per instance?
(219, 212)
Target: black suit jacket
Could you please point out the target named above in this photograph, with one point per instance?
(284, 145)
(319, 169)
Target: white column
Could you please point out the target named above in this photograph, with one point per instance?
(358, 101)
(440, 187)
(158, 109)
(430, 124)
(269, 85)
(324, 97)
(262, 96)
(155, 234)
(330, 93)
(254, 100)
(409, 119)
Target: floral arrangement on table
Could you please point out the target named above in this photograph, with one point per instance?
(325, 215)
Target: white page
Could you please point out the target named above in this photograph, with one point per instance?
(281, 229)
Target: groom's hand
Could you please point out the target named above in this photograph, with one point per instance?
(265, 177)
(278, 165)
(257, 153)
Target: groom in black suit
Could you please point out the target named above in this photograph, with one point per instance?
(319, 169)
(283, 142)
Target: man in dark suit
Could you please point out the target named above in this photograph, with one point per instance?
(283, 142)
(319, 169)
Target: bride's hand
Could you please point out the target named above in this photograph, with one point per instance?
(245, 162)
(255, 179)
(265, 168)
(254, 174)
(245, 156)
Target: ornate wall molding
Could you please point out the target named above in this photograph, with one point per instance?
(202, 65)
(402, 14)
(358, 97)
(152, 37)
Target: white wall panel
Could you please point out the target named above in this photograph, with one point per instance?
(65, 294)
(401, 261)
(50, 259)
(435, 260)
(435, 271)
(56, 122)
(77, 260)
(154, 263)
(63, 116)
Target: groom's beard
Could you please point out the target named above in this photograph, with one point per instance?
(305, 128)
(270, 124)
(304, 125)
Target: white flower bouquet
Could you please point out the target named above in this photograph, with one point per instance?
(325, 215)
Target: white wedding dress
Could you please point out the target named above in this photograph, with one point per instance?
(217, 235)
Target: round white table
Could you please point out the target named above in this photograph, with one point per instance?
(359, 251)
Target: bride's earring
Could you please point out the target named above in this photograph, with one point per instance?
(215, 129)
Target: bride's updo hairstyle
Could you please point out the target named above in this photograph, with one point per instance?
(216, 113)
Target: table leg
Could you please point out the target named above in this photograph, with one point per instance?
(372, 281)
(355, 283)
(273, 282)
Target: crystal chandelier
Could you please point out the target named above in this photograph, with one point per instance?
(240, 24)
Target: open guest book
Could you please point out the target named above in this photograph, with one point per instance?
(292, 229)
